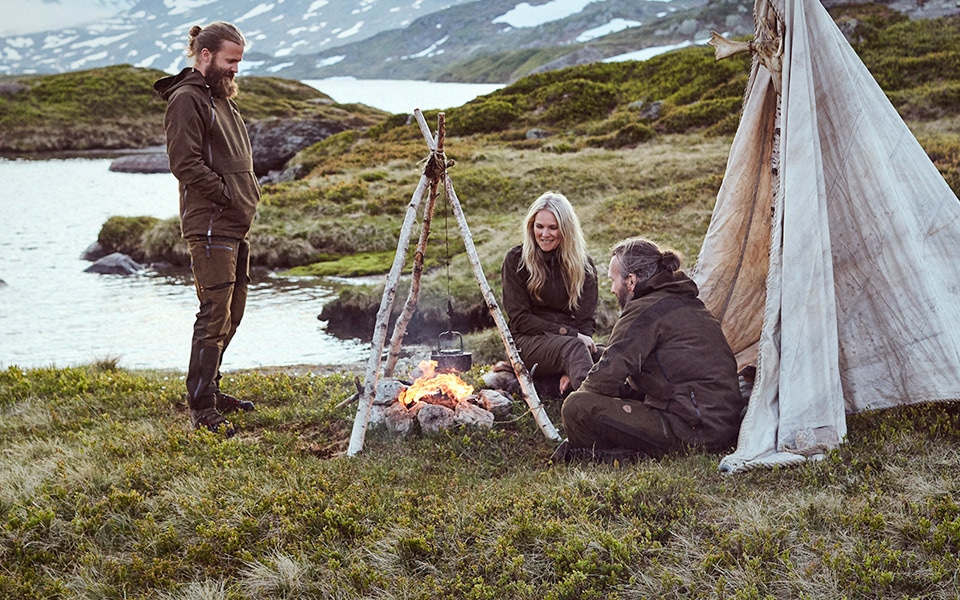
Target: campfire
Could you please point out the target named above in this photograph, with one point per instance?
(445, 389)
(434, 401)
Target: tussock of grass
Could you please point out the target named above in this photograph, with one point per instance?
(105, 492)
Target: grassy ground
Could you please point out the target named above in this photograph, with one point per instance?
(106, 493)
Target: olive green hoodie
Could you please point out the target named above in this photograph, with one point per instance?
(671, 351)
(210, 155)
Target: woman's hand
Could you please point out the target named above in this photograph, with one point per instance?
(588, 342)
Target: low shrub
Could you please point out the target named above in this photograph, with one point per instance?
(125, 234)
(482, 117)
(163, 243)
(699, 114)
(572, 101)
(629, 135)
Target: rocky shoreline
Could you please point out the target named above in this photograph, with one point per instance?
(274, 142)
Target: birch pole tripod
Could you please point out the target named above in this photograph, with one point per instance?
(434, 173)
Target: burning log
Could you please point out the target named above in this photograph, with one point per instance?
(435, 401)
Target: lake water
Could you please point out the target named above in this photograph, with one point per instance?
(54, 314)
(401, 96)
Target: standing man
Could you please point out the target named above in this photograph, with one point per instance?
(667, 380)
(210, 155)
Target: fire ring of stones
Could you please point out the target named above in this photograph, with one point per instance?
(435, 402)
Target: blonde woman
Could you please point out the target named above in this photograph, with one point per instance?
(550, 294)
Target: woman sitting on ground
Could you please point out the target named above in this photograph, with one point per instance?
(550, 294)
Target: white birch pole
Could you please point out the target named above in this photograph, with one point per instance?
(400, 329)
(383, 318)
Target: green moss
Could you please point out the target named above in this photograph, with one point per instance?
(125, 234)
(482, 117)
(356, 265)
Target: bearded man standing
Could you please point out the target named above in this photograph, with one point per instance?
(210, 155)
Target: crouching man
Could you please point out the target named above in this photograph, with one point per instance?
(667, 380)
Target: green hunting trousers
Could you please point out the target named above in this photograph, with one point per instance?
(221, 273)
(592, 420)
(555, 355)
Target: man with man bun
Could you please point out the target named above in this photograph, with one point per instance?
(210, 155)
(667, 380)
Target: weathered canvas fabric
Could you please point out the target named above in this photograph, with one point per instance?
(830, 259)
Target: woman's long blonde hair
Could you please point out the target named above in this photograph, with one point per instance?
(572, 251)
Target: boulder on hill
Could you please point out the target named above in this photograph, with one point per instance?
(275, 141)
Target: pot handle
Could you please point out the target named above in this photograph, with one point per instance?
(449, 335)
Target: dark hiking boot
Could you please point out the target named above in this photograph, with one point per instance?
(228, 404)
(210, 419)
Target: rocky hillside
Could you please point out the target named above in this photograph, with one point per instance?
(441, 40)
(116, 108)
(153, 33)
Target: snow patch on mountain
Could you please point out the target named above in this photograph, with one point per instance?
(255, 12)
(350, 32)
(526, 15)
(431, 50)
(21, 17)
(179, 7)
(648, 53)
(613, 26)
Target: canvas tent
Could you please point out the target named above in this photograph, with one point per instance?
(831, 258)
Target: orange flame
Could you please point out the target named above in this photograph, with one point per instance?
(444, 388)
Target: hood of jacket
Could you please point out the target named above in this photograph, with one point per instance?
(166, 86)
(673, 283)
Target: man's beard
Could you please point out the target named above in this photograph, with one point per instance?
(221, 82)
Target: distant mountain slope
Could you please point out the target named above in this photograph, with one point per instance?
(492, 41)
(442, 40)
(153, 33)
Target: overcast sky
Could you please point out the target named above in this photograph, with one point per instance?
(31, 16)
